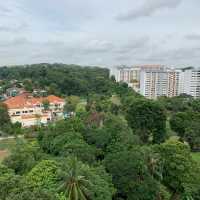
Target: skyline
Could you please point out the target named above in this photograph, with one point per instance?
(100, 32)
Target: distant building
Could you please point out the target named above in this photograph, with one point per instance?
(157, 83)
(30, 111)
(154, 81)
(132, 75)
(39, 93)
(190, 82)
(14, 91)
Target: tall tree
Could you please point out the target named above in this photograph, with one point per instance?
(180, 172)
(147, 119)
(71, 103)
(132, 176)
(75, 185)
(5, 123)
(46, 104)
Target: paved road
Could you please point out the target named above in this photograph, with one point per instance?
(11, 137)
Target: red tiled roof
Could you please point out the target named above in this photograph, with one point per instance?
(25, 100)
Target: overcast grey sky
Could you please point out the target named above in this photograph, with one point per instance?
(100, 32)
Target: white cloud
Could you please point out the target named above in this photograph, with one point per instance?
(194, 37)
(86, 32)
(149, 8)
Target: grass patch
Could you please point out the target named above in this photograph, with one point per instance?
(3, 154)
(81, 105)
(5, 148)
(115, 100)
(7, 144)
(196, 157)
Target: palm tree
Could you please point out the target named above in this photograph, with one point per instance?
(74, 185)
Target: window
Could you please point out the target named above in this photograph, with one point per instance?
(18, 113)
(30, 111)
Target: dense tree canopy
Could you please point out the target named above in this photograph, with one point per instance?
(148, 120)
(115, 144)
(23, 157)
(186, 125)
(61, 78)
(5, 123)
(132, 177)
(180, 172)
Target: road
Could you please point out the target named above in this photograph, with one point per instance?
(11, 137)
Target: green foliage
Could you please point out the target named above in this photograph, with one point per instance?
(23, 157)
(71, 103)
(61, 79)
(5, 123)
(192, 135)
(148, 120)
(195, 104)
(6, 127)
(25, 193)
(131, 176)
(180, 172)
(79, 180)
(179, 122)
(69, 178)
(4, 117)
(116, 128)
(187, 126)
(46, 104)
(44, 175)
(74, 185)
(8, 181)
(28, 85)
(64, 140)
(175, 104)
(98, 103)
(113, 135)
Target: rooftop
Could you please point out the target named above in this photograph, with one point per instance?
(26, 100)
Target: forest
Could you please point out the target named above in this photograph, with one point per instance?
(118, 146)
(59, 79)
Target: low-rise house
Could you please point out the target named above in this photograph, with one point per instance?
(39, 93)
(30, 111)
(14, 91)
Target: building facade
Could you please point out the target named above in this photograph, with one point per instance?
(30, 111)
(132, 75)
(157, 83)
(153, 81)
(190, 82)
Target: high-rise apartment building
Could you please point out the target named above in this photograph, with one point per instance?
(190, 82)
(132, 75)
(158, 83)
(154, 81)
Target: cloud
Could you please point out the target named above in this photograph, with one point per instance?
(13, 28)
(186, 55)
(149, 8)
(16, 42)
(84, 32)
(98, 46)
(193, 37)
(4, 10)
(135, 44)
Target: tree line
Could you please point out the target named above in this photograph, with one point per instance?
(59, 79)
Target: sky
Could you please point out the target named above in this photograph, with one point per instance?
(100, 32)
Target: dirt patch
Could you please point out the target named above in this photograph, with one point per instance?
(3, 154)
